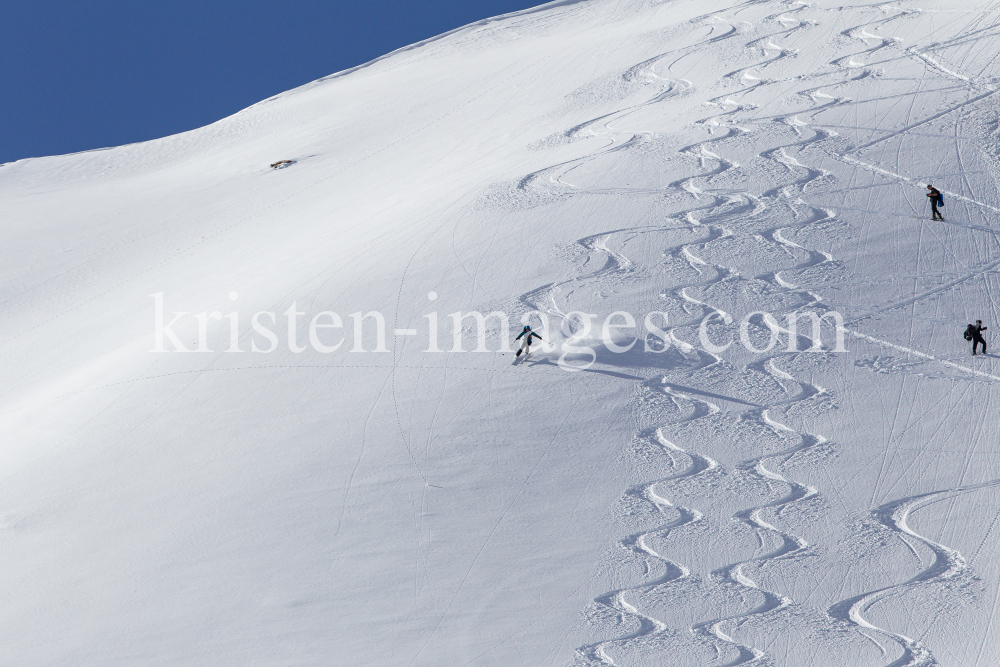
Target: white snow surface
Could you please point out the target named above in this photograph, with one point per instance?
(413, 508)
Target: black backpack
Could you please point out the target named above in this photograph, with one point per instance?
(968, 333)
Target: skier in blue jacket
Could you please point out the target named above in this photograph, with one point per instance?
(936, 200)
(527, 334)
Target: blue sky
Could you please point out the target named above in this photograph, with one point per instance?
(80, 75)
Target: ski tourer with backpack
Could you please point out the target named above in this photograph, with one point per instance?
(974, 333)
(937, 199)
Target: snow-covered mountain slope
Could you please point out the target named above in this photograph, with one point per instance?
(681, 506)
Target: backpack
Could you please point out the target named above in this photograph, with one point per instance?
(968, 333)
(940, 199)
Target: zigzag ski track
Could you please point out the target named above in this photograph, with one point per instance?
(719, 212)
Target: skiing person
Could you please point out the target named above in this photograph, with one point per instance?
(975, 334)
(936, 200)
(526, 345)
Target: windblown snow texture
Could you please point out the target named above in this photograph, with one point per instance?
(677, 506)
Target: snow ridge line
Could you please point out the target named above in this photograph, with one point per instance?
(424, 42)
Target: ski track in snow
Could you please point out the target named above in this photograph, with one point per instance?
(790, 545)
(711, 210)
(948, 564)
(639, 544)
(778, 507)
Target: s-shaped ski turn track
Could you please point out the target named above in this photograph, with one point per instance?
(946, 565)
(710, 210)
(723, 214)
(641, 543)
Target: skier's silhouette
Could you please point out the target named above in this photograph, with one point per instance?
(975, 334)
